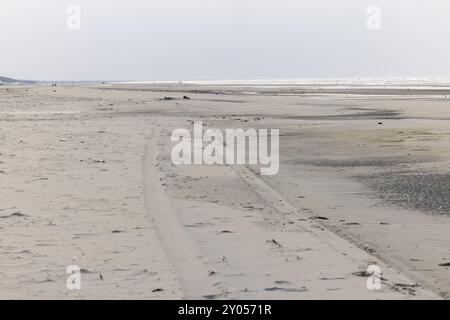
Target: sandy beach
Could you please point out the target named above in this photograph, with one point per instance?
(87, 180)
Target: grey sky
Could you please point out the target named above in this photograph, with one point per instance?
(223, 39)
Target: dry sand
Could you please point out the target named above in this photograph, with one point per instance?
(87, 180)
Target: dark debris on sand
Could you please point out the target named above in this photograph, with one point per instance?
(425, 192)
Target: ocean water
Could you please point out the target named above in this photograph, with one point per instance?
(413, 83)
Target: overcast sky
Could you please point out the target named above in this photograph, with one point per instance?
(223, 39)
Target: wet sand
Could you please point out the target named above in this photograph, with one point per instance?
(87, 180)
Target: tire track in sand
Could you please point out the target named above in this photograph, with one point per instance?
(353, 254)
(180, 248)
